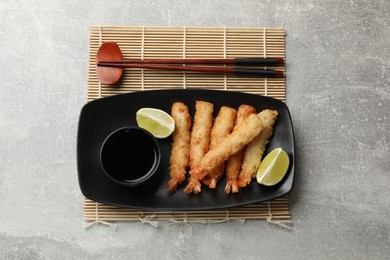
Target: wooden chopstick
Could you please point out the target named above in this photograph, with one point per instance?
(234, 61)
(236, 71)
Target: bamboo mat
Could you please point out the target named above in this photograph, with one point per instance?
(187, 42)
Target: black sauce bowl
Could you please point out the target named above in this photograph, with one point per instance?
(130, 156)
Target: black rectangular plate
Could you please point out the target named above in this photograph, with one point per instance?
(101, 117)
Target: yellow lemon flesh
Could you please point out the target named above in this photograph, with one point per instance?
(159, 123)
(273, 167)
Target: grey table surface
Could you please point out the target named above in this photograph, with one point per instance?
(338, 64)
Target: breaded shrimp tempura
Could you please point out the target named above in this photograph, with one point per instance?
(222, 127)
(237, 140)
(180, 155)
(255, 149)
(233, 164)
(200, 135)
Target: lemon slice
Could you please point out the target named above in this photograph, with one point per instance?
(159, 123)
(273, 167)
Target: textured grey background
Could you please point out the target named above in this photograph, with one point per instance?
(337, 89)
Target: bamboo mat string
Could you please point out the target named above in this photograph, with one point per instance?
(142, 57)
(224, 55)
(227, 215)
(188, 225)
(184, 55)
(149, 220)
(185, 223)
(269, 210)
(100, 43)
(265, 56)
(281, 223)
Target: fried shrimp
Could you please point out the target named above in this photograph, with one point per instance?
(200, 137)
(245, 133)
(233, 164)
(222, 127)
(180, 155)
(255, 149)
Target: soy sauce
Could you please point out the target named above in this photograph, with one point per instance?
(130, 155)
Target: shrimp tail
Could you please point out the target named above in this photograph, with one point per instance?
(213, 183)
(231, 186)
(234, 186)
(193, 186)
(172, 185)
(228, 187)
(243, 182)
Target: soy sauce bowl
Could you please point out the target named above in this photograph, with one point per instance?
(130, 156)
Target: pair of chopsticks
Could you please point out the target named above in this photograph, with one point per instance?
(110, 64)
(172, 64)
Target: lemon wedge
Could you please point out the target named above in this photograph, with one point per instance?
(273, 167)
(159, 123)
